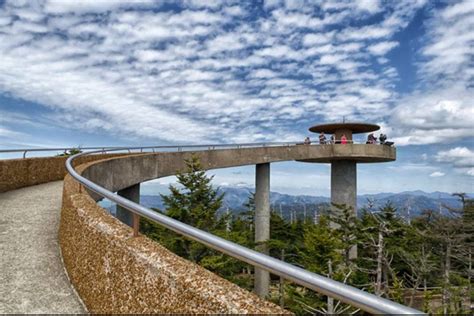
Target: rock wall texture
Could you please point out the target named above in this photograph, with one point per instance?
(115, 272)
(20, 173)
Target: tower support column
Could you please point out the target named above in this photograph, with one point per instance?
(344, 183)
(262, 224)
(344, 189)
(131, 193)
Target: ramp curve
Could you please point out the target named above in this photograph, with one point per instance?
(32, 278)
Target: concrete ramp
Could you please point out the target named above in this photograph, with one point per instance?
(32, 276)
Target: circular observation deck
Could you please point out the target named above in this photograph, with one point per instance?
(359, 153)
(346, 129)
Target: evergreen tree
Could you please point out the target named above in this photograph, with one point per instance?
(395, 258)
(194, 202)
(346, 226)
(378, 232)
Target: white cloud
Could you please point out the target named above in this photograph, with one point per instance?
(5, 20)
(434, 117)
(9, 134)
(450, 46)
(234, 10)
(382, 48)
(458, 9)
(371, 6)
(317, 38)
(208, 4)
(461, 158)
(270, 4)
(437, 174)
(441, 110)
(86, 6)
(365, 32)
(198, 74)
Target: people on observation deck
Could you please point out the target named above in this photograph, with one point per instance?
(333, 139)
(382, 138)
(371, 139)
(322, 138)
(343, 139)
(307, 141)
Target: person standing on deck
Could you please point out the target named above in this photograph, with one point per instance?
(322, 138)
(343, 139)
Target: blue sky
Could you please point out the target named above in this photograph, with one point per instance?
(106, 72)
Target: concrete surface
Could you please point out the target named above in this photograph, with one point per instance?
(118, 173)
(344, 183)
(262, 224)
(344, 189)
(133, 194)
(32, 276)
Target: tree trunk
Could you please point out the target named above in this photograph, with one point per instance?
(469, 277)
(282, 283)
(330, 310)
(447, 268)
(378, 283)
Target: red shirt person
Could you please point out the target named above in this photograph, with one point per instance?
(343, 139)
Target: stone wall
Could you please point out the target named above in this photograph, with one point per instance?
(114, 272)
(20, 173)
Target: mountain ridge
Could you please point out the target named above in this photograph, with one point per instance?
(408, 203)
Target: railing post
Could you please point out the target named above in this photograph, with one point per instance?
(136, 224)
(24, 154)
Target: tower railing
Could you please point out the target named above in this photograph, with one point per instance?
(326, 286)
(104, 149)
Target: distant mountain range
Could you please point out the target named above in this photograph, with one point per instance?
(409, 203)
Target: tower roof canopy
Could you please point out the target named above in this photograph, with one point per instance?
(354, 127)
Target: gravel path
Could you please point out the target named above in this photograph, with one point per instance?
(32, 276)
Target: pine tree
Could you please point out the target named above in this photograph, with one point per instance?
(346, 225)
(194, 202)
(380, 233)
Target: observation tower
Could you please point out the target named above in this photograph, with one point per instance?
(344, 157)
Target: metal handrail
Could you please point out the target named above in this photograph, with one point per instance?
(178, 147)
(108, 148)
(340, 291)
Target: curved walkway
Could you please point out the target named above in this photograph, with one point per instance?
(32, 277)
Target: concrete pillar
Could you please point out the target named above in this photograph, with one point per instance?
(344, 183)
(131, 193)
(262, 224)
(344, 188)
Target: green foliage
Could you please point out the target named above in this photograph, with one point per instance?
(196, 203)
(396, 292)
(320, 245)
(412, 255)
(70, 152)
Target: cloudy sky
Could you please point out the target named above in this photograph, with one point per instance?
(106, 72)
